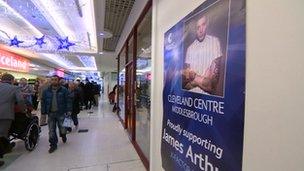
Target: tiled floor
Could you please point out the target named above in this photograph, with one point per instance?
(105, 147)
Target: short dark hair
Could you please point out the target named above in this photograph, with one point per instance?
(56, 76)
(7, 77)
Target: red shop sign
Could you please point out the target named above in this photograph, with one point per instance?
(13, 62)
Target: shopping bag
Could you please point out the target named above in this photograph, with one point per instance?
(68, 122)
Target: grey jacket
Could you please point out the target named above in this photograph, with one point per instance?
(9, 95)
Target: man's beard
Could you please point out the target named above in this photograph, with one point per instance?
(55, 85)
(201, 39)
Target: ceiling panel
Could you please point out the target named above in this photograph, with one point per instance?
(117, 13)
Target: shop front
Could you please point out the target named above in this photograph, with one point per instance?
(15, 64)
(134, 80)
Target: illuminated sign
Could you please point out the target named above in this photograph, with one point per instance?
(13, 62)
(60, 73)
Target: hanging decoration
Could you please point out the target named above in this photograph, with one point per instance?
(64, 43)
(15, 42)
(45, 43)
(40, 36)
(40, 41)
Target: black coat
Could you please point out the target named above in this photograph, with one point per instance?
(76, 98)
(88, 90)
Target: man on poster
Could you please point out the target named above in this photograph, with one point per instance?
(202, 61)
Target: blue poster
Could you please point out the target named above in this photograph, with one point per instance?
(204, 89)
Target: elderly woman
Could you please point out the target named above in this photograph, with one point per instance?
(26, 90)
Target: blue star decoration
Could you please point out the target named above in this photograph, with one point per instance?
(15, 42)
(64, 43)
(40, 41)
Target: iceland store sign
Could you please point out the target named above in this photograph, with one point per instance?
(13, 62)
(204, 89)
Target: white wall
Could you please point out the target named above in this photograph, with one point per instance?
(274, 125)
(274, 120)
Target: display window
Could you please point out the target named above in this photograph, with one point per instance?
(143, 83)
(134, 80)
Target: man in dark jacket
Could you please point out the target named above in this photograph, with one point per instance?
(10, 94)
(55, 103)
(88, 94)
(80, 89)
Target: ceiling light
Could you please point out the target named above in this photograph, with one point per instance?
(57, 60)
(62, 62)
(83, 68)
(33, 65)
(106, 34)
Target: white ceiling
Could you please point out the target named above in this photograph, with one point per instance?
(81, 20)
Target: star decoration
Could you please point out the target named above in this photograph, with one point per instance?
(64, 43)
(40, 41)
(15, 42)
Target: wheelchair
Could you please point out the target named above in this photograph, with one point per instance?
(25, 127)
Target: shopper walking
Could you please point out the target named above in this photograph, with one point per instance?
(75, 96)
(115, 92)
(56, 104)
(63, 83)
(96, 91)
(88, 94)
(80, 88)
(10, 95)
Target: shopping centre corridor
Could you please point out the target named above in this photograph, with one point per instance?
(105, 147)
